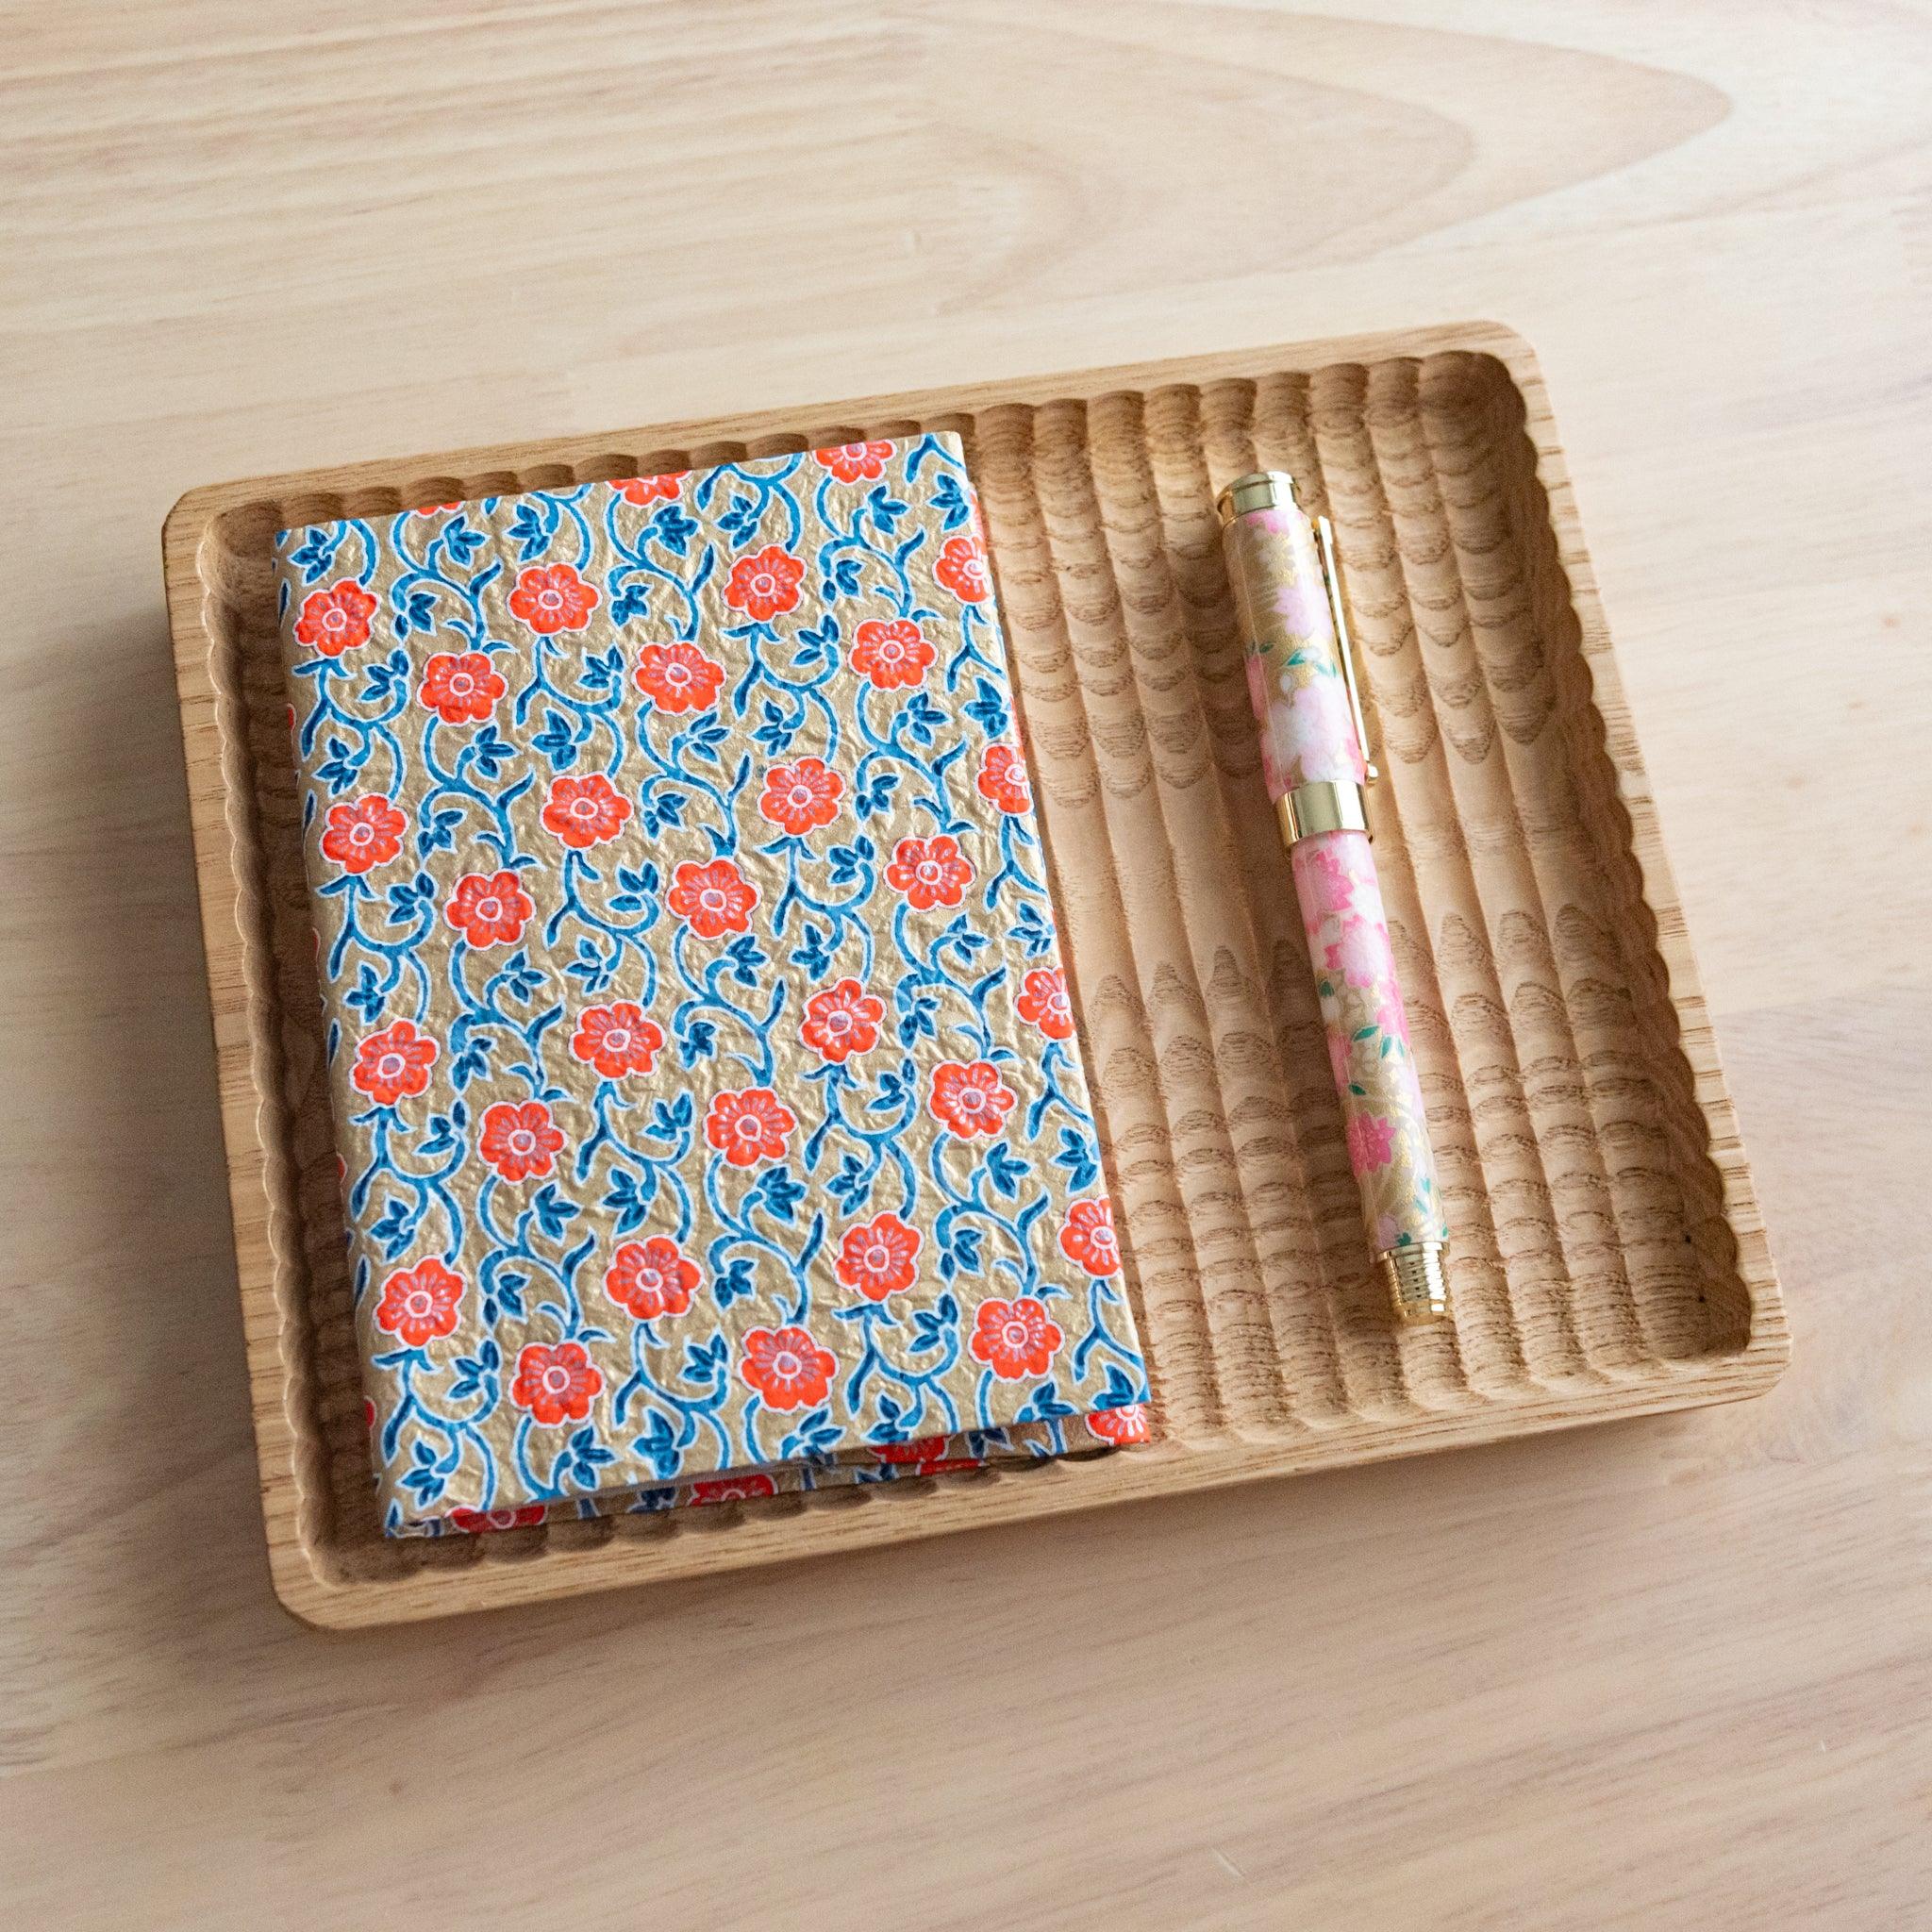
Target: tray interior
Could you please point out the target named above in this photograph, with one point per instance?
(1607, 1255)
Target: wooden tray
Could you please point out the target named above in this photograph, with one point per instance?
(1608, 1258)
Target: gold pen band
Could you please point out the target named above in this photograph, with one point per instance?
(1322, 804)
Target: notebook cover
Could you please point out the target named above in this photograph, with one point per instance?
(711, 1115)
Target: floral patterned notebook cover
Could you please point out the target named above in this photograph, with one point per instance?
(712, 1116)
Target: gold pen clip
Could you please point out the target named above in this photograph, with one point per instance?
(1345, 642)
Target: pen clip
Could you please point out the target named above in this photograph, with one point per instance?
(1345, 642)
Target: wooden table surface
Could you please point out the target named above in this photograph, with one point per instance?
(1666, 1673)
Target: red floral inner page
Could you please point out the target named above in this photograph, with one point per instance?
(712, 1113)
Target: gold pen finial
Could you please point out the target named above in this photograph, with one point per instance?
(1257, 489)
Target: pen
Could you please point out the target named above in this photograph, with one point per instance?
(1314, 756)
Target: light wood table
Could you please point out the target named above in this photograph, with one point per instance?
(1670, 1674)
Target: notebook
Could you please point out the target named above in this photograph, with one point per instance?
(711, 1112)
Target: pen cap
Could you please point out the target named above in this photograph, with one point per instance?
(1298, 676)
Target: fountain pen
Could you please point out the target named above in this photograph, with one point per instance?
(1314, 756)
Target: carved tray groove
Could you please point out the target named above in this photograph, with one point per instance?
(1608, 1258)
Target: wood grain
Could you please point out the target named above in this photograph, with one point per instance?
(1659, 1675)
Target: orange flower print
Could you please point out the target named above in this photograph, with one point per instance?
(1370, 1142)
(713, 899)
(852, 461)
(841, 1021)
(585, 811)
(419, 1304)
(556, 1383)
(732, 1489)
(787, 1367)
(892, 656)
(335, 620)
(678, 677)
(1003, 778)
(651, 1278)
(1014, 1339)
(460, 687)
(750, 1126)
(1120, 1426)
(490, 909)
(552, 597)
(1043, 1001)
(969, 1099)
(1087, 1237)
(963, 569)
(519, 1140)
(644, 490)
(363, 832)
(765, 584)
(617, 1040)
(483, 1521)
(801, 796)
(930, 871)
(879, 1256)
(394, 1062)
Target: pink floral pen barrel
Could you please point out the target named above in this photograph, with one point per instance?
(1314, 756)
